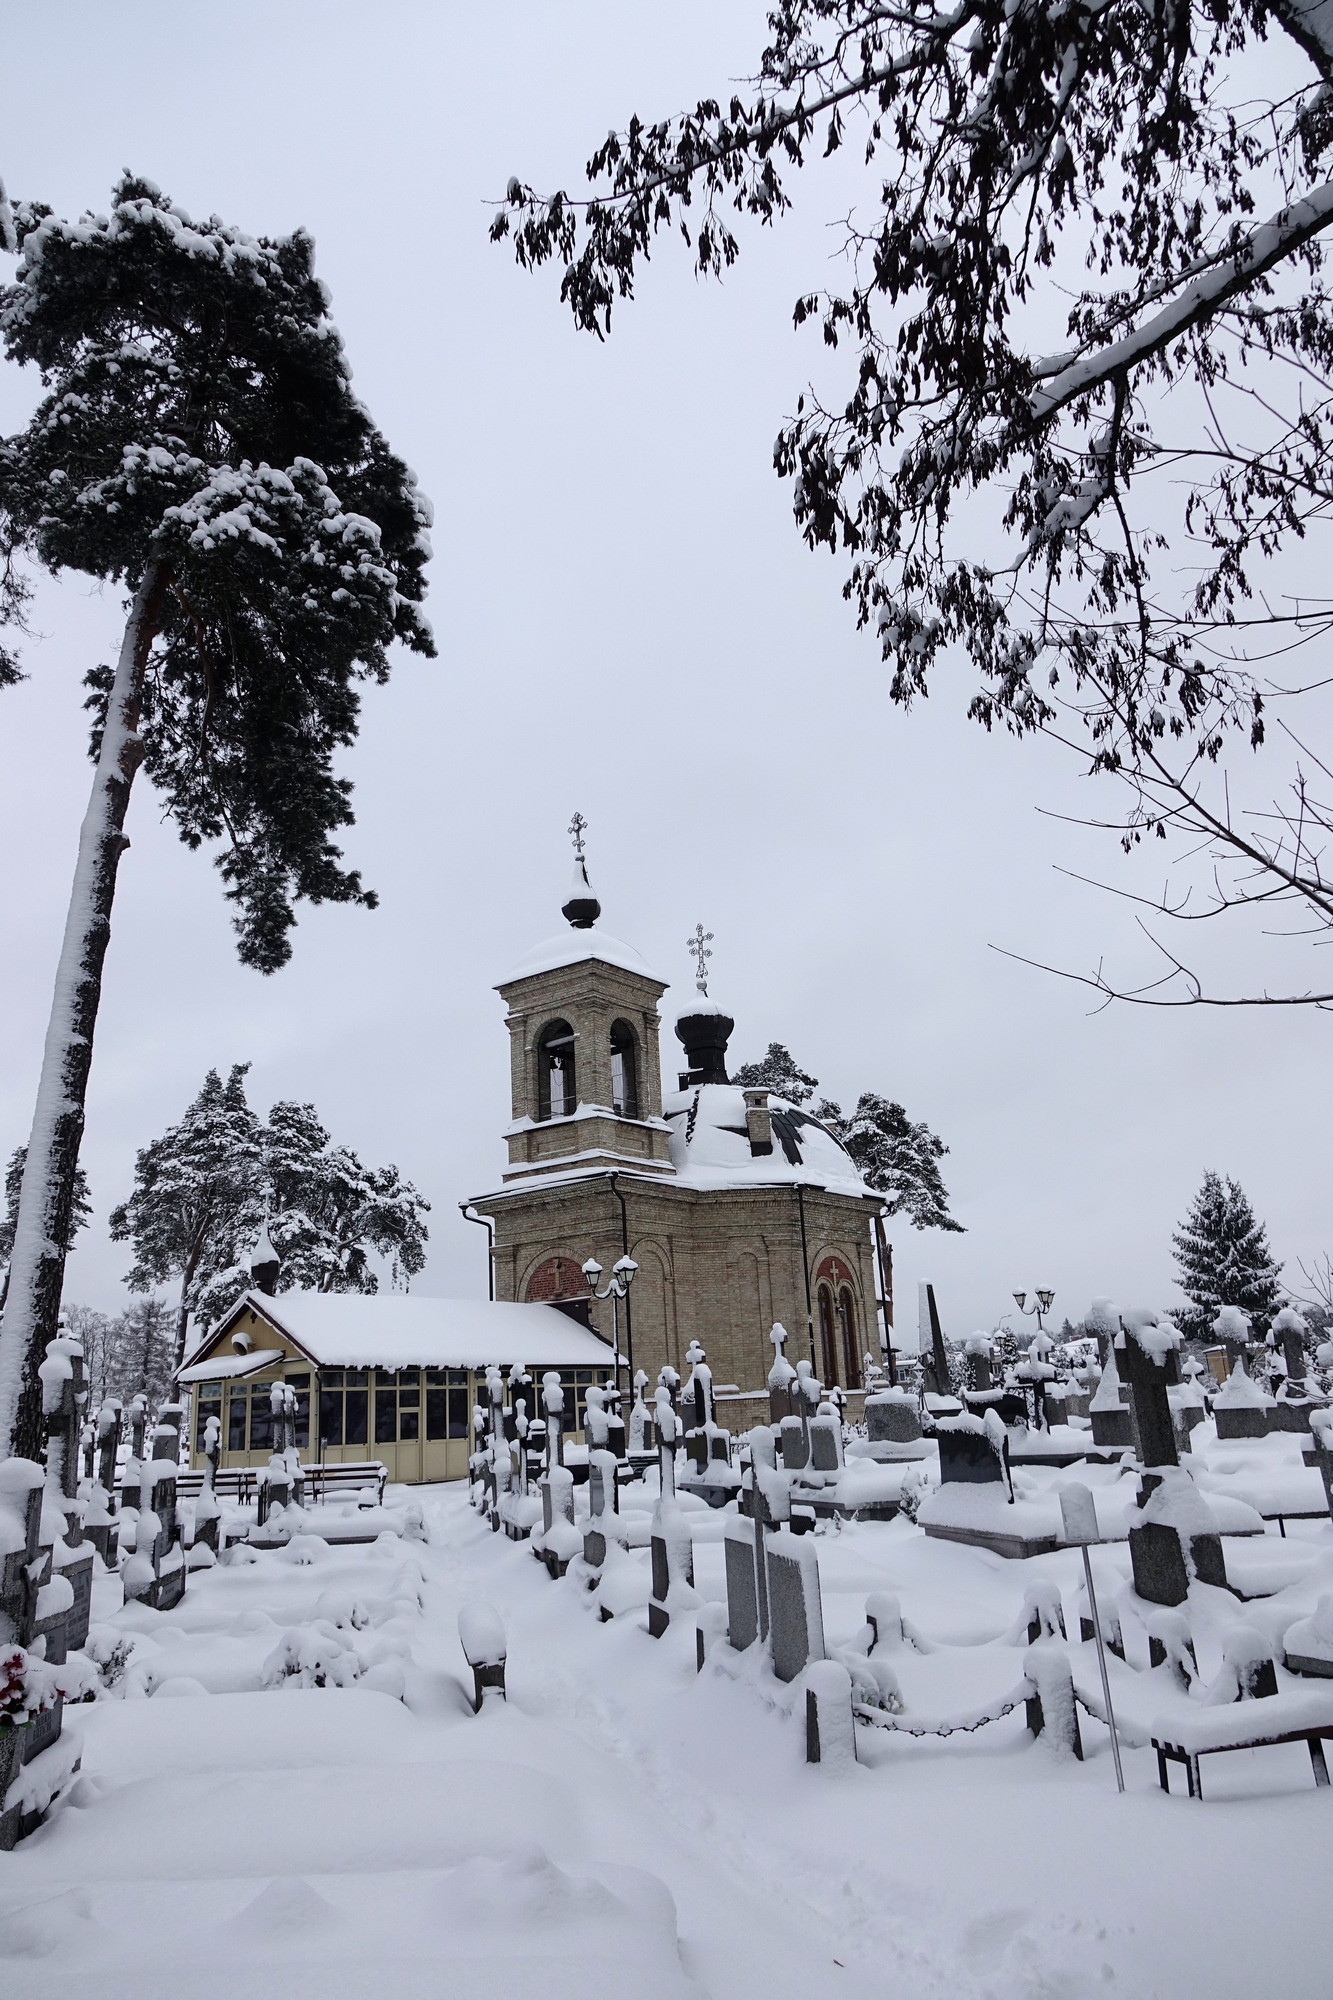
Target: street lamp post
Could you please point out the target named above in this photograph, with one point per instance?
(1041, 1304)
(623, 1273)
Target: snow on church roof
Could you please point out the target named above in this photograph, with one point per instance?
(572, 947)
(379, 1330)
(712, 1148)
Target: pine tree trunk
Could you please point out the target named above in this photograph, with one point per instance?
(46, 1201)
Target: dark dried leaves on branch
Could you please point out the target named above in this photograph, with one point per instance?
(1143, 454)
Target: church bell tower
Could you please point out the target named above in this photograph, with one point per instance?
(585, 1068)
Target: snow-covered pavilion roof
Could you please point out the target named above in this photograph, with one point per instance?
(573, 947)
(391, 1331)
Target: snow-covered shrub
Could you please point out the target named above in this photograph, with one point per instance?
(309, 1657)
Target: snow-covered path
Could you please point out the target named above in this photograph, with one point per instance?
(317, 1842)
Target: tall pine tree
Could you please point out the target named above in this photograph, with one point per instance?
(1223, 1259)
(893, 1155)
(200, 444)
(205, 1189)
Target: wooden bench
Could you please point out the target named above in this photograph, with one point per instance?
(1176, 1753)
(322, 1482)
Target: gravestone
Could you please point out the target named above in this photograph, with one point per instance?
(977, 1349)
(742, 1596)
(795, 1444)
(892, 1417)
(64, 1398)
(830, 1726)
(781, 1376)
(796, 1619)
(1240, 1407)
(34, 1605)
(553, 1402)
(672, 1552)
(207, 1512)
(969, 1454)
(641, 1437)
(825, 1443)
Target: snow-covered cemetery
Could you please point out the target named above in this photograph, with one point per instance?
(503, 1477)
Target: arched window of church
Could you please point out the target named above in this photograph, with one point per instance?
(555, 1071)
(847, 1328)
(828, 1344)
(624, 1071)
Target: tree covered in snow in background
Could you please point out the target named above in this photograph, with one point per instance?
(892, 1154)
(198, 443)
(141, 1352)
(1223, 1259)
(1082, 296)
(899, 1158)
(777, 1072)
(192, 1210)
(209, 1185)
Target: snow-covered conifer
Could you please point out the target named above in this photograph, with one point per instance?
(1223, 1258)
(195, 1193)
(209, 1185)
(777, 1072)
(899, 1158)
(198, 443)
(140, 1352)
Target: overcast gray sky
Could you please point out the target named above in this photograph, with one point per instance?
(629, 624)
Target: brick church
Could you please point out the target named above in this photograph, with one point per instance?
(738, 1208)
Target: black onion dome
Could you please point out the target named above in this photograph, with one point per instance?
(705, 1030)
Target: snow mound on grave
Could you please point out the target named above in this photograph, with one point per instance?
(1238, 1392)
(1312, 1638)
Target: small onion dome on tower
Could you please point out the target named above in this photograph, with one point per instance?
(265, 1264)
(583, 909)
(705, 1029)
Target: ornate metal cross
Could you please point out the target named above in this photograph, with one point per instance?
(578, 827)
(697, 946)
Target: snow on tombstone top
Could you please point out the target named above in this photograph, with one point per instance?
(481, 1634)
(1155, 1334)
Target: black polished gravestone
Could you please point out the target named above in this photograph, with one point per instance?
(968, 1456)
(1161, 1573)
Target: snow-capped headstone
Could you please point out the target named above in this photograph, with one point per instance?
(640, 1419)
(672, 1550)
(1241, 1407)
(739, 1541)
(481, 1634)
(780, 1376)
(795, 1611)
(830, 1727)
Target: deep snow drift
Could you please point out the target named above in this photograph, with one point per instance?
(624, 1825)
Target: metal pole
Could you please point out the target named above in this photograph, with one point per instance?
(484, 1222)
(805, 1266)
(624, 1249)
(1101, 1662)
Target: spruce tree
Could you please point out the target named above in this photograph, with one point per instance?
(139, 1358)
(81, 1209)
(1223, 1259)
(198, 443)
